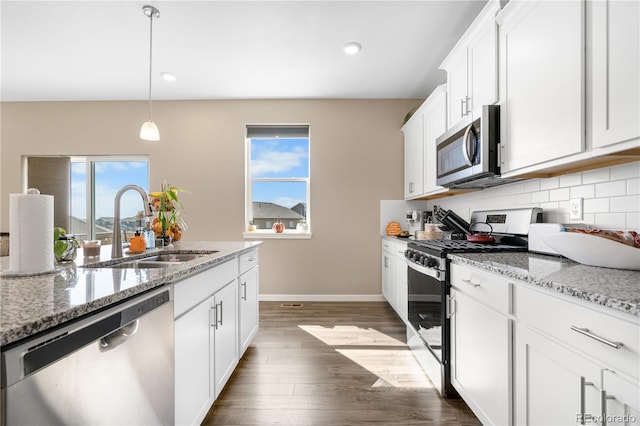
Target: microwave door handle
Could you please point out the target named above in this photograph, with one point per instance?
(465, 147)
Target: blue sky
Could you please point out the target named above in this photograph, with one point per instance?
(110, 177)
(280, 158)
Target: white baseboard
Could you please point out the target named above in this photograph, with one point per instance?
(321, 298)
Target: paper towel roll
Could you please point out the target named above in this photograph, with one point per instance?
(31, 232)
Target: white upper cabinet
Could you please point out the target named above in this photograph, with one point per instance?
(413, 151)
(542, 68)
(471, 68)
(614, 51)
(435, 124)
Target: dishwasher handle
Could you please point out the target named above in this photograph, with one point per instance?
(115, 339)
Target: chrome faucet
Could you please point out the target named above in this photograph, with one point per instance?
(116, 248)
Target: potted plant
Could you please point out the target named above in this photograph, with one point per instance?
(252, 226)
(168, 224)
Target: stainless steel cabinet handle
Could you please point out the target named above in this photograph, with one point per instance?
(583, 407)
(410, 187)
(603, 403)
(462, 108)
(213, 311)
(471, 283)
(244, 290)
(586, 332)
(468, 105)
(220, 321)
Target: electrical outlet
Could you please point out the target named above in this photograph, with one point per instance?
(575, 209)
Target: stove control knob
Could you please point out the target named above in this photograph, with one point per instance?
(431, 262)
(407, 253)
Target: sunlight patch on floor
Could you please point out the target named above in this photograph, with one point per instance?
(349, 335)
(396, 368)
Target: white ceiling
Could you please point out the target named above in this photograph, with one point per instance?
(98, 50)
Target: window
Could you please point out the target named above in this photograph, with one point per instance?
(94, 184)
(277, 184)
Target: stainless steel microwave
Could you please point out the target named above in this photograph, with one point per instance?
(467, 155)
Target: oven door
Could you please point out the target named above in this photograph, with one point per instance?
(426, 306)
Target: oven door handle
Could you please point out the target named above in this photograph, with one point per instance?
(433, 273)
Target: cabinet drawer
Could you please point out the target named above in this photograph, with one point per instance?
(590, 330)
(194, 289)
(486, 288)
(248, 260)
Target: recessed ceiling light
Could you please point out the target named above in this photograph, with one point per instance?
(168, 76)
(352, 48)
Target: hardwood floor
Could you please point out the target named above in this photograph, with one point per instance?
(332, 364)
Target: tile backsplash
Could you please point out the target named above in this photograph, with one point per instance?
(611, 197)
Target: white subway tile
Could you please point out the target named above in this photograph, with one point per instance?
(627, 204)
(633, 221)
(595, 176)
(532, 185)
(555, 217)
(513, 188)
(625, 171)
(589, 218)
(610, 220)
(549, 183)
(583, 191)
(559, 194)
(571, 180)
(540, 197)
(550, 206)
(524, 198)
(596, 205)
(633, 186)
(611, 189)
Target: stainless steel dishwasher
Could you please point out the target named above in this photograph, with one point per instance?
(114, 367)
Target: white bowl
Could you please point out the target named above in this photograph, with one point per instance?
(594, 250)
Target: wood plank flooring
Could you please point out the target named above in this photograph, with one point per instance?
(332, 364)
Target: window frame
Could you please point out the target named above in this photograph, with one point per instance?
(249, 181)
(90, 161)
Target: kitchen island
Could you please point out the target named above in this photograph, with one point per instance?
(36, 303)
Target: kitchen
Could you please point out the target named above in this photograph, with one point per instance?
(354, 139)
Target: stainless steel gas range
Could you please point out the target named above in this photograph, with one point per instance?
(428, 283)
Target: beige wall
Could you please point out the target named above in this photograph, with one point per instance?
(356, 160)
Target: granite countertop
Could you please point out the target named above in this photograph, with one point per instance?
(617, 289)
(31, 304)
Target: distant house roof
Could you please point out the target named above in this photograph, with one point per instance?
(79, 226)
(300, 208)
(263, 210)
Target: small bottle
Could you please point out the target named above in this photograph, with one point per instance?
(149, 237)
(137, 243)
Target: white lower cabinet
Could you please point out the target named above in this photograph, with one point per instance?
(248, 287)
(524, 355)
(394, 277)
(481, 343)
(215, 319)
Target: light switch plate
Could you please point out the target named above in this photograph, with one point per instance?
(575, 209)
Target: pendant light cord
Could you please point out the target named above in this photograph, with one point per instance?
(150, 62)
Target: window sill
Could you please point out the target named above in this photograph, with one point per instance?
(263, 234)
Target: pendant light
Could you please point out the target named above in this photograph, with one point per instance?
(149, 131)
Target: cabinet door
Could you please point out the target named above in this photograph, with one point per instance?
(401, 286)
(435, 124)
(483, 69)
(615, 64)
(541, 81)
(413, 143)
(249, 309)
(226, 335)
(620, 399)
(554, 385)
(480, 359)
(388, 290)
(457, 86)
(193, 351)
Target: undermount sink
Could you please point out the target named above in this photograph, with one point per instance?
(163, 260)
